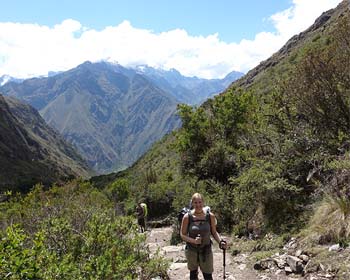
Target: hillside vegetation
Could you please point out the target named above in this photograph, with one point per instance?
(268, 148)
(31, 151)
(110, 113)
(71, 232)
(271, 155)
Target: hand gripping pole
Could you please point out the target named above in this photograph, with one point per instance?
(223, 248)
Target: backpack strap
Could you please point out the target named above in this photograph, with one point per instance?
(190, 220)
(190, 217)
(208, 219)
(207, 216)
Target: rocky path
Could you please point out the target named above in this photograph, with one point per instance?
(236, 267)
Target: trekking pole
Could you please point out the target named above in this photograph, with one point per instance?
(224, 255)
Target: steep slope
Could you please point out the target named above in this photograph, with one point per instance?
(278, 160)
(291, 150)
(279, 63)
(32, 152)
(111, 114)
(189, 90)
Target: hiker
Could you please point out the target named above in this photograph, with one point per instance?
(141, 212)
(196, 228)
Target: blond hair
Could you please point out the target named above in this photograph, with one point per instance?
(197, 196)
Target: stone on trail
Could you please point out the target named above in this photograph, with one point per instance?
(295, 264)
(335, 247)
(287, 269)
(177, 266)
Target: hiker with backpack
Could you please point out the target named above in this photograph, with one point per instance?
(141, 212)
(196, 228)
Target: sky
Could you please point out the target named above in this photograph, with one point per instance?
(203, 38)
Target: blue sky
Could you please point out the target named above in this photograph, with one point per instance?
(231, 19)
(197, 37)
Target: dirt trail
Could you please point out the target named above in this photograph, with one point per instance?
(236, 267)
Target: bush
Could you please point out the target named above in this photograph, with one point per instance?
(264, 200)
(73, 233)
(119, 190)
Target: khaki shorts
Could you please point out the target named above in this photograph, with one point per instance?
(205, 262)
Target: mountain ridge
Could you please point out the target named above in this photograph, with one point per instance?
(320, 23)
(105, 113)
(267, 152)
(110, 113)
(189, 90)
(31, 151)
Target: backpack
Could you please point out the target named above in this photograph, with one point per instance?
(186, 210)
(181, 214)
(145, 210)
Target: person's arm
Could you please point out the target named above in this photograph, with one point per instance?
(183, 232)
(214, 232)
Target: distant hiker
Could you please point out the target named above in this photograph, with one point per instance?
(196, 228)
(141, 212)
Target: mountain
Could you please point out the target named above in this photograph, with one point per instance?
(6, 78)
(291, 50)
(189, 90)
(31, 151)
(111, 114)
(266, 150)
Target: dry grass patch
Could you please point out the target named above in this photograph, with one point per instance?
(330, 222)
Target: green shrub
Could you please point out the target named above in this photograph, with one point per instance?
(119, 190)
(16, 260)
(260, 193)
(75, 235)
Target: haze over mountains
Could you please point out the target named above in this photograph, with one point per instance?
(6, 78)
(189, 90)
(110, 113)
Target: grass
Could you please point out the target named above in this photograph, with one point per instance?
(333, 262)
(330, 223)
(261, 248)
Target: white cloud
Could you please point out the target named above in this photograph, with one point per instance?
(30, 49)
(301, 15)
